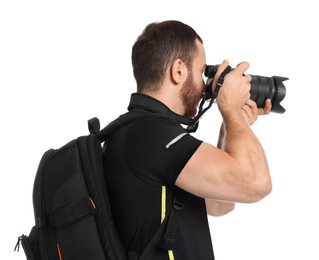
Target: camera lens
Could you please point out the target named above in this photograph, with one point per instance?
(265, 87)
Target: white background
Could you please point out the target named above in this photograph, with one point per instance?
(63, 62)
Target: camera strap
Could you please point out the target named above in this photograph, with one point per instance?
(220, 81)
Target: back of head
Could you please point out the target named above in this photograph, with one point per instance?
(159, 45)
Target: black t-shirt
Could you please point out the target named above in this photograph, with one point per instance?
(143, 161)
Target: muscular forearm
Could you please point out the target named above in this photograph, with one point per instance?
(214, 207)
(244, 147)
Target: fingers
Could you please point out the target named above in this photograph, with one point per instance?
(221, 68)
(235, 93)
(242, 67)
(252, 106)
(249, 78)
(266, 109)
(250, 111)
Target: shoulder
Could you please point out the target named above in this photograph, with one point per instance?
(158, 146)
(159, 127)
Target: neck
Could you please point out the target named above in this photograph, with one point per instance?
(152, 104)
(171, 100)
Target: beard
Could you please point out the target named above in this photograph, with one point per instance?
(190, 95)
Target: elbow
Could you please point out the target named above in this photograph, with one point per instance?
(260, 189)
(225, 210)
(219, 208)
(228, 209)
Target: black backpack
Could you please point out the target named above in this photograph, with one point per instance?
(73, 218)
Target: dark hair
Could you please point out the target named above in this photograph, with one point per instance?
(159, 45)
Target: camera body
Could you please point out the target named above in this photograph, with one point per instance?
(262, 88)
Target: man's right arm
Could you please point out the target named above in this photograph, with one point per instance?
(239, 172)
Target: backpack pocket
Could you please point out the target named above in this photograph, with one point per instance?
(74, 224)
(29, 245)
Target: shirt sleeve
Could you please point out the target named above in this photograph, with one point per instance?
(157, 149)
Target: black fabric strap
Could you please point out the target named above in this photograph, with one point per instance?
(154, 243)
(94, 125)
(122, 120)
(220, 81)
(180, 199)
(71, 213)
(164, 237)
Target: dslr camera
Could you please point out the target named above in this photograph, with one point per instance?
(262, 88)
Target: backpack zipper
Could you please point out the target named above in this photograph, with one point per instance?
(17, 247)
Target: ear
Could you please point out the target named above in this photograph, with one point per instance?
(179, 71)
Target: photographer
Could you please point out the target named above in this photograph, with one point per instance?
(154, 157)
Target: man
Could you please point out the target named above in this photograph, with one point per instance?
(153, 157)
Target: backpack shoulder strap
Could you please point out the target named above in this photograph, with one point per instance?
(164, 237)
(124, 119)
(180, 199)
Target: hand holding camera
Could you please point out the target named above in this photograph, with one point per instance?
(234, 93)
(261, 88)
